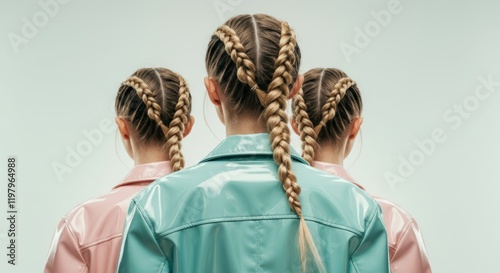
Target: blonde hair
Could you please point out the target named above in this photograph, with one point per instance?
(151, 98)
(250, 54)
(329, 99)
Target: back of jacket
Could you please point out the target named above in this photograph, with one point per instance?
(230, 214)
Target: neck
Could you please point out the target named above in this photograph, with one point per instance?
(149, 154)
(243, 125)
(331, 153)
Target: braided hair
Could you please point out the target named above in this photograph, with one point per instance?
(157, 103)
(255, 59)
(325, 107)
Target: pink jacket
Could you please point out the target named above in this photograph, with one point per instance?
(89, 238)
(407, 252)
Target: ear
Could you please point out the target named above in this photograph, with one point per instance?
(296, 86)
(212, 87)
(294, 125)
(189, 126)
(355, 127)
(123, 127)
(214, 91)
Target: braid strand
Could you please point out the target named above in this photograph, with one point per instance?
(146, 95)
(177, 126)
(277, 124)
(275, 115)
(330, 107)
(274, 103)
(245, 66)
(308, 135)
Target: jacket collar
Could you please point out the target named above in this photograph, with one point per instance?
(146, 173)
(337, 170)
(246, 145)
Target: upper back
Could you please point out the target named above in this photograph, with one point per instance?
(225, 190)
(234, 202)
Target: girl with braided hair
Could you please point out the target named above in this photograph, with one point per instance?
(327, 116)
(253, 204)
(153, 115)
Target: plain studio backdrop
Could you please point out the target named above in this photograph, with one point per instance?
(428, 71)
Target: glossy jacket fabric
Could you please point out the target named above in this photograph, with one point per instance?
(406, 246)
(88, 238)
(229, 213)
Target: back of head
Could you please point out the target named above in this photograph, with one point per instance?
(157, 104)
(242, 54)
(256, 59)
(325, 107)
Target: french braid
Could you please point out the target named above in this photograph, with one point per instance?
(305, 126)
(245, 66)
(146, 95)
(168, 86)
(277, 124)
(330, 107)
(285, 66)
(178, 125)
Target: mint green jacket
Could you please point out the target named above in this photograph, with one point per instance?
(229, 214)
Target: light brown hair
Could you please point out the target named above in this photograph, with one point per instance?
(324, 108)
(256, 60)
(157, 103)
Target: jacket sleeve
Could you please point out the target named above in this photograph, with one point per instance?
(410, 254)
(64, 254)
(140, 251)
(372, 253)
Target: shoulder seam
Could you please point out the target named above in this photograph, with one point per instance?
(103, 240)
(254, 218)
(145, 216)
(70, 229)
(405, 231)
(374, 214)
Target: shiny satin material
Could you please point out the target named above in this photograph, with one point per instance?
(229, 213)
(406, 246)
(88, 238)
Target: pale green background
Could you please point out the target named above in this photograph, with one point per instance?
(428, 58)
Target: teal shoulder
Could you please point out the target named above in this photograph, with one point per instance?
(238, 191)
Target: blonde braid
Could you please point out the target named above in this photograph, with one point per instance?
(146, 95)
(274, 102)
(305, 126)
(277, 121)
(245, 66)
(275, 115)
(177, 126)
(330, 107)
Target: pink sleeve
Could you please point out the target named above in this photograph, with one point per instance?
(64, 254)
(410, 255)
